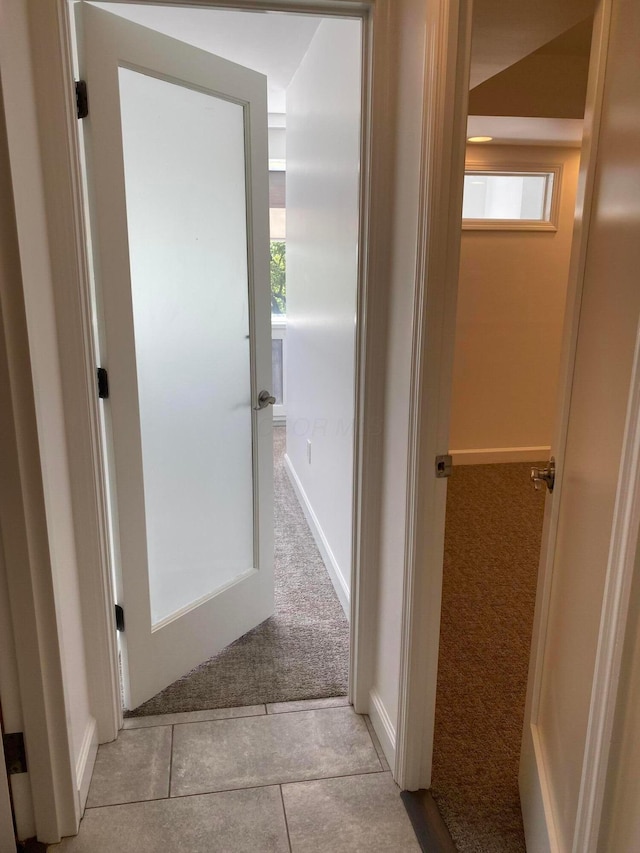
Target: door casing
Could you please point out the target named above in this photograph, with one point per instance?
(423, 567)
(69, 254)
(365, 491)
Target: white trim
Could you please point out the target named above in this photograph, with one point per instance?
(485, 455)
(86, 761)
(625, 539)
(586, 180)
(279, 333)
(536, 798)
(445, 94)
(376, 183)
(63, 186)
(507, 168)
(383, 727)
(331, 564)
(7, 835)
(23, 806)
(30, 438)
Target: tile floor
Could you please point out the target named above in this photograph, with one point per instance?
(292, 777)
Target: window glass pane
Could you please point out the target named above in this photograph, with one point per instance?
(189, 288)
(507, 197)
(278, 278)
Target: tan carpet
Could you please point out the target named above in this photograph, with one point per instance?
(302, 652)
(492, 545)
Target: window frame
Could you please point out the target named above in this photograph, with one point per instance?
(505, 169)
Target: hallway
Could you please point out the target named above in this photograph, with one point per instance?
(301, 652)
(492, 547)
(301, 777)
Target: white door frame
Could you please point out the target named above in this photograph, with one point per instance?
(368, 356)
(7, 835)
(446, 89)
(429, 435)
(54, 85)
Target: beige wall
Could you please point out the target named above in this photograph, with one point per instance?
(509, 322)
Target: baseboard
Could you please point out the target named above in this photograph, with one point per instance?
(86, 761)
(333, 569)
(535, 796)
(493, 455)
(383, 727)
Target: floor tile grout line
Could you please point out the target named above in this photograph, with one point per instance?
(286, 782)
(286, 819)
(183, 796)
(234, 719)
(378, 750)
(266, 713)
(188, 722)
(246, 788)
(306, 710)
(375, 748)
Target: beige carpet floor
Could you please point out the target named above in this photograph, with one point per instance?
(302, 652)
(492, 545)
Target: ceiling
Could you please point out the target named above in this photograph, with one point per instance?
(504, 31)
(520, 50)
(272, 43)
(539, 97)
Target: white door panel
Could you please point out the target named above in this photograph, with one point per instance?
(177, 174)
(580, 514)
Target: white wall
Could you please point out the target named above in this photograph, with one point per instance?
(323, 139)
(511, 298)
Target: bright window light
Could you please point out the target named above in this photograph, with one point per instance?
(509, 198)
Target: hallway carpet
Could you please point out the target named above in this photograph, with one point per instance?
(302, 652)
(492, 546)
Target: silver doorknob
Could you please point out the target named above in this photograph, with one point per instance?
(544, 475)
(265, 398)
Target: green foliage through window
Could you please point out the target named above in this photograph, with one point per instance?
(278, 278)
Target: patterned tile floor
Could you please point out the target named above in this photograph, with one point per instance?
(294, 777)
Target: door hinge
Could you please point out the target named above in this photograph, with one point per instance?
(82, 99)
(103, 383)
(15, 756)
(119, 617)
(444, 465)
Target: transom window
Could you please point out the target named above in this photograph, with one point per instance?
(522, 198)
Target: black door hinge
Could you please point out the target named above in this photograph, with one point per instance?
(103, 383)
(119, 617)
(82, 99)
(15, 756)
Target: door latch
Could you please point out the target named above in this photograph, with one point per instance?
(544, 475)
(444, 465)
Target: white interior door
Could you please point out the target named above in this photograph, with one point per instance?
(580, 514)
(176, 143)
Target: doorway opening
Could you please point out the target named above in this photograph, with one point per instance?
(313, 67)
(518, 220)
